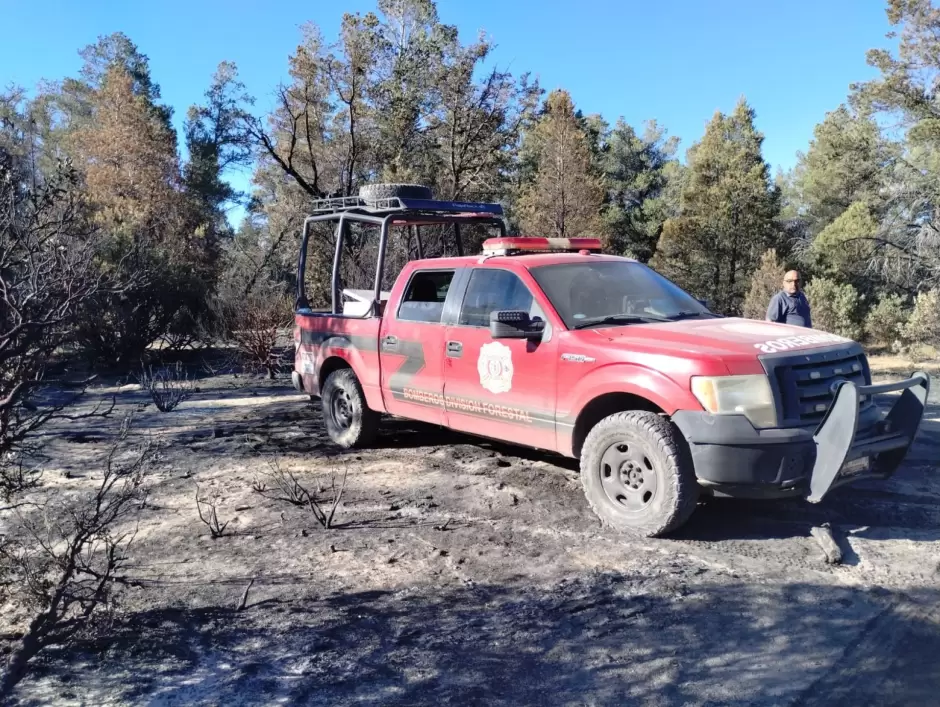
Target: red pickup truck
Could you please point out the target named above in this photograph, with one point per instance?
(551, 344)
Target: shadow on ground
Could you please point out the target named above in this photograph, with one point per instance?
(604, 639)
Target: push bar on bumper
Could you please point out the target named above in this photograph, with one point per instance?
(835, 438)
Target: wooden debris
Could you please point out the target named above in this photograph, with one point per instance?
(823, 536)
(243, 602)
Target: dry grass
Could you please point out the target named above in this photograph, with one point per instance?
(885, 364)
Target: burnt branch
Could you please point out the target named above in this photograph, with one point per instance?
(48, 274)
(209, 516)
(60, 563)
(286, 157)
(286, 487)
(253, 324)
(168, 387)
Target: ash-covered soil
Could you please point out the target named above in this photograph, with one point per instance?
(461, 571)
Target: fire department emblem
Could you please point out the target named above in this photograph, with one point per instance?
(495, 367)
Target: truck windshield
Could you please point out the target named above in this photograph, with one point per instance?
(614, 292)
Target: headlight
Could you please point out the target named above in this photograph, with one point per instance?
(742, 395)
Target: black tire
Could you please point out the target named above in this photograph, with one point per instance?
(348, 420)
(375, 192)
(637, 475)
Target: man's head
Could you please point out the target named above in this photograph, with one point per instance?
(792, 282)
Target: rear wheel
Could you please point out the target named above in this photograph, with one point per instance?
(349, 421)
(636, 474)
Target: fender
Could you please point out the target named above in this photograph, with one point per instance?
(631, 378)
(359, 349)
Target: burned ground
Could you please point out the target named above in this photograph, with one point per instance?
(462, 571)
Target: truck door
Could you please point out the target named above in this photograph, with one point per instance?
(411, 346)
(503, 388)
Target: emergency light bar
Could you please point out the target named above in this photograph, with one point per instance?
(505, 246)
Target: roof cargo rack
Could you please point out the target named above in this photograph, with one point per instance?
(391, 205)
(409, 208)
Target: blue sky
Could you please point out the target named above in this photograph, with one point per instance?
(674, 60)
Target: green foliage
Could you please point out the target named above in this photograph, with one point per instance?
(886, 320)
(844, 250)
(834, 307)
(727, 215)
(923, 326)
(847, 162)
(156, 299)
(905, 94)
(765, 283)
(216, 142)
(639, 169)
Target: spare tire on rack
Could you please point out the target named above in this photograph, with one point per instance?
(377, 192)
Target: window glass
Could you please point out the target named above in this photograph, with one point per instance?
(425, 295)
(491, 290)
(587, 293)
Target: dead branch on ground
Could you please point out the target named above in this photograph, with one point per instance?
(210, 517)
(286, 487)
(169, 386)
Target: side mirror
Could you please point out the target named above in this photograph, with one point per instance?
(508, 324)
(704, 303)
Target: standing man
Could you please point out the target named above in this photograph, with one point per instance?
(790, 306)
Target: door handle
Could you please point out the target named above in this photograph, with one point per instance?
(390, 343)
(454, 349)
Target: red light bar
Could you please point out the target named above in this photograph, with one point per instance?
(502, 246)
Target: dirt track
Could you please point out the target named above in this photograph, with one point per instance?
(466, 572)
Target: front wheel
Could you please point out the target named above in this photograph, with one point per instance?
(636, 474)
(349, 421)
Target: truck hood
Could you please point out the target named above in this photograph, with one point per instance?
(718, 337)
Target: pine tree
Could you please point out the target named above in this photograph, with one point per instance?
(114, 51)
(132, 171)
(564, 198)
(639, 169)
(844, 249)
(847, 161)
(727, 217)
(155, 238)
(216, 142)
(905, 94)
(765, 283)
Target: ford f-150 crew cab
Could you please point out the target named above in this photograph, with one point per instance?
(551, 344)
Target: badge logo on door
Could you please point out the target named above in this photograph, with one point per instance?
(495, 367)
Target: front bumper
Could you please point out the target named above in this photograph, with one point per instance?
(732, 458)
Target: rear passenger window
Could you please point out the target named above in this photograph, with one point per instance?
(491, 290)
(425, 295)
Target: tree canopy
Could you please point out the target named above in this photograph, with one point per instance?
(727, 213)
(399, 95)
